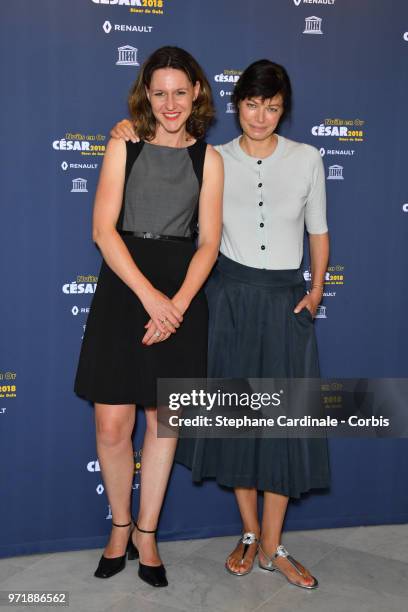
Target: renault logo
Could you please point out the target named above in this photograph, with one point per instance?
(107, 26)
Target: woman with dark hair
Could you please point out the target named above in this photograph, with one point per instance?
(261, 318)
(149, 315)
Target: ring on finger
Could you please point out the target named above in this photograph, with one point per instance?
(158, 333)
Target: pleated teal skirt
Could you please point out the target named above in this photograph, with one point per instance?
(254, 333)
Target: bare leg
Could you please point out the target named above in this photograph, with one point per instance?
(274, 511)
(247, 503)
(114, 426)
(157, 460)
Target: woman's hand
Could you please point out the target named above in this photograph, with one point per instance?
(151, 336)
(310, 301)
(164, 314)
(124, 129)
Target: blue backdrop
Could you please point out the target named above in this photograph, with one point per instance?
(66, 70)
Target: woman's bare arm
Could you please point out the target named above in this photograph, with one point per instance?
(319, 259)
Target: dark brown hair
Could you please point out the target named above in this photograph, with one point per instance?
(139, 106)
(264, 79)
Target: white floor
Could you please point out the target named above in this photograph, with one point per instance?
(360, 569)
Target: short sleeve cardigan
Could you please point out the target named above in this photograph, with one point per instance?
(268, 202)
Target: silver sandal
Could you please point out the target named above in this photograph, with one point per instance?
(246, 539)
(282, 552)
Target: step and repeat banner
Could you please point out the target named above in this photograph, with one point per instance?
(67, 67)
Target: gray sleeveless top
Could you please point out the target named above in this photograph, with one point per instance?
(162, 188)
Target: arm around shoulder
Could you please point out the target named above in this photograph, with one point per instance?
(210, 211)
(109, 193)
(212, 157)
(214, 170)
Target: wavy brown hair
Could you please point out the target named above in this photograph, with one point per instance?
(139, 106)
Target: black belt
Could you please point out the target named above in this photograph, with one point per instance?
(151, 236)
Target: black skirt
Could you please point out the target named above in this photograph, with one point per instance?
(253, 332)
(114, 366)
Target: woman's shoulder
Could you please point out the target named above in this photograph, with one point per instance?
(301, 149)
(116, 145)
(228, 149)
(213, 159)
(122, 149)
(115, 152)
(212, 150)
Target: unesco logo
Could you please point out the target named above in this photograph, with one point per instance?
(127, 56)
(321, 312)
(335, 173)
(79, 185)
(313, 25)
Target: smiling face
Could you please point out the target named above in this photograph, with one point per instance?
(171, 95)
(259, 117)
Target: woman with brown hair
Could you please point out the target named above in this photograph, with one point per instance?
(261, 322)
(149, 315)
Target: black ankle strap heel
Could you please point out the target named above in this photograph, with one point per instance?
(155, 575)
(144, 530)
(110, 566)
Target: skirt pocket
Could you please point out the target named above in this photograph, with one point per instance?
(303, 316)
